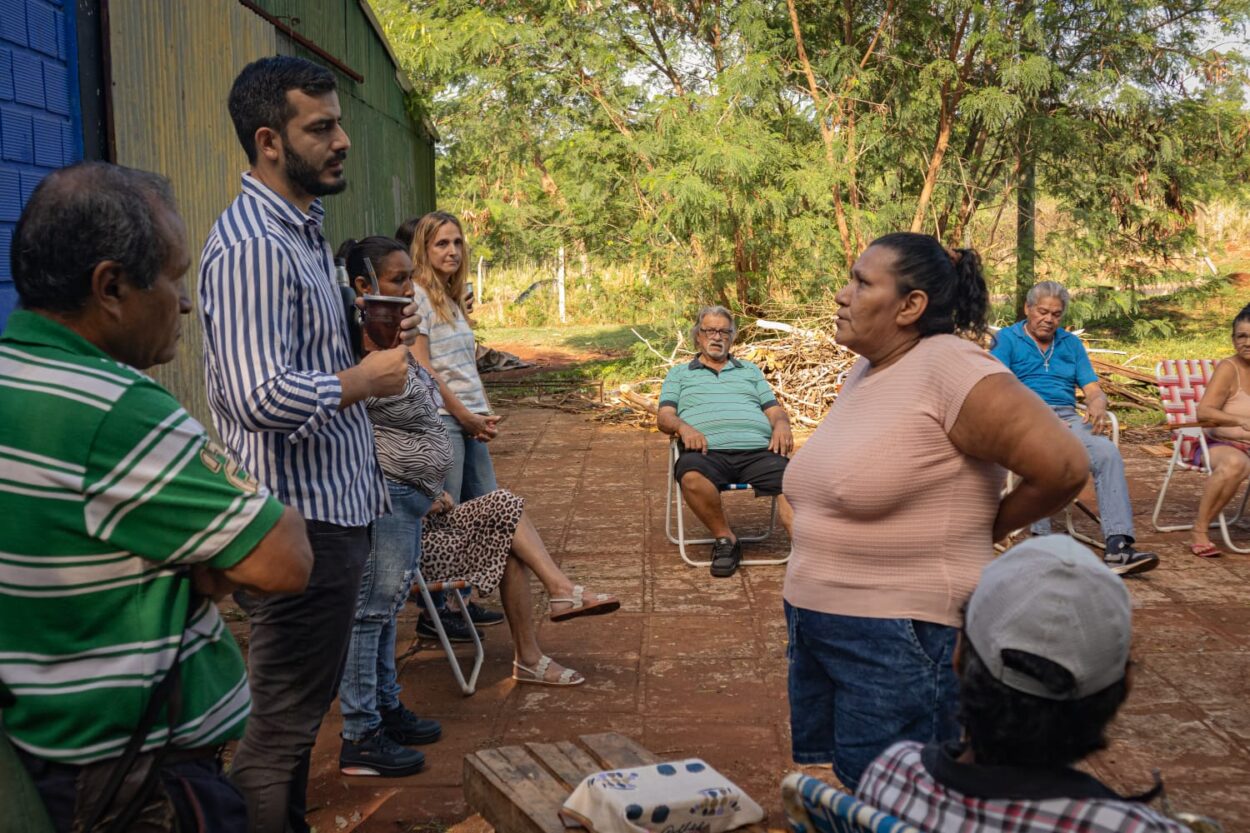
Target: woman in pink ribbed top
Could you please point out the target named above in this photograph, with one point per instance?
(897, 504)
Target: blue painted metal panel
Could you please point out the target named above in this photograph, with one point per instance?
(15, 135)
(13, 21)
(40, 119)
(6, 75)
(10, 195)
(41, 28)
(28, 79)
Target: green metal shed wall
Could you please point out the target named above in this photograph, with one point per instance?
(390, 167)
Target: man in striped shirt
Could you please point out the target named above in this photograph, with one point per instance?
(287, 397)
(730, 427)
(115, 503)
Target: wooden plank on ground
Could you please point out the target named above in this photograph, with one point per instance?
(505, 797)
(557, 760)
(617, 751)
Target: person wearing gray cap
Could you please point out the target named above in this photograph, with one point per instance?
(1043, 664)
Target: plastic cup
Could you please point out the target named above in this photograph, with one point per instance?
(382, 315)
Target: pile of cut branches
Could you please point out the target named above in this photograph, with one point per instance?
(806, 367)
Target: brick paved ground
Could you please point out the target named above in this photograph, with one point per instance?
(696, 666)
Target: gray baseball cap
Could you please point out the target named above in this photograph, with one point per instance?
(1052, 597)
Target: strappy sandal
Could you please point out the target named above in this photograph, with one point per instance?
(1207, 550)
(580, 605)
(538, 674)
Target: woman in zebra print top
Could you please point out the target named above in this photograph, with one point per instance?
(488, 541)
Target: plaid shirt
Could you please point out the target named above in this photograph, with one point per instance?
(927, 787)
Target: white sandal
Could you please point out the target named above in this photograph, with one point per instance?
(538, 674)
(597, 604)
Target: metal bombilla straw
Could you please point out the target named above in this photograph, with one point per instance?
(373, 276)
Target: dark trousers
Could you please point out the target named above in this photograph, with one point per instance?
(297, 647)
(200, 797)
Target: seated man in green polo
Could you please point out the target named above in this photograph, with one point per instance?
(731, 430)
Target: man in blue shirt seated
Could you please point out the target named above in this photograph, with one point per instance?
(1053, 363)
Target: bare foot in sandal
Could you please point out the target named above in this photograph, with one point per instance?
(579, 602)
(546, 672)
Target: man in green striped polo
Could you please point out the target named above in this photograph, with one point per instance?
(122, 521)
(731, 430)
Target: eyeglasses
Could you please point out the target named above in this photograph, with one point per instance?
(709, 332)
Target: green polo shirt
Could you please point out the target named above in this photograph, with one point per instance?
(109, 491)
(726, 407)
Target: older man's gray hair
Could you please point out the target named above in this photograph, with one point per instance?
(717, 311)
(1048, 289)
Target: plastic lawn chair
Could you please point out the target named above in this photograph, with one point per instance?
(813, 806)
(1181, 385)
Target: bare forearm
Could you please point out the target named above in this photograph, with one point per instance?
(356, 386)
(668, 421)
(1030, 502)
(1209, 413)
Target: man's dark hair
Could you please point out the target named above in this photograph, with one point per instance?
(1006, 727)
(81, 216)
(258, 97)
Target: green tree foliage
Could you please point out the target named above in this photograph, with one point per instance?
(747, 150)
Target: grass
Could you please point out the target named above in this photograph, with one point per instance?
(1200, 320)
(577, 338)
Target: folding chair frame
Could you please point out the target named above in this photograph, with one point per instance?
(467, 686)
(1176, 462)
(1078, 503)
(674, 505)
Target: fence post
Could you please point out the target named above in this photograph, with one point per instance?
(560, 282)
(481, 287)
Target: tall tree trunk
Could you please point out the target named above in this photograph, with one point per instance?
(1026, 226)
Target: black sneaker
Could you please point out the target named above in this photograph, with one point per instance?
(725, 557)
(483, 617)
(453, 626)
(1127, 561)
(378, 754)
(407, 729)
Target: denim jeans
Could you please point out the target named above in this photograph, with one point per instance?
(369, 684)
(858, 685)
(472, 475)
(295, 659)
(1107, 467)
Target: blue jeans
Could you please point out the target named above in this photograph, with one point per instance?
(859, 685)
(369, 684)
(471, 475)
(1107, 467)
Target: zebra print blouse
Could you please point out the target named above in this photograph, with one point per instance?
(412, 444)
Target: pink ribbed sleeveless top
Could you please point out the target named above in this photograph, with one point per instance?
(891, 520)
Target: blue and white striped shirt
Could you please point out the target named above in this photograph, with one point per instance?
(274, 336)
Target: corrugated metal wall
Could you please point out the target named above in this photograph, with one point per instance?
(173, 64)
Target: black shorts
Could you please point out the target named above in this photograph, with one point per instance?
(762, 468)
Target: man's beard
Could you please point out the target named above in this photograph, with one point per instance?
(307, 178)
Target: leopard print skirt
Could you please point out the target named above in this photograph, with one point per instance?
(472, 541)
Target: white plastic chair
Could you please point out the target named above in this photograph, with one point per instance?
(1181, 385)
(674, 507)
(468, 686)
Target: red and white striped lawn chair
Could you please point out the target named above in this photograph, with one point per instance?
(1181, 385)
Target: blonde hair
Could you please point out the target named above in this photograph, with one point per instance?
(443, 296)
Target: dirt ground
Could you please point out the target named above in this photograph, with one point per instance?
(695, 666)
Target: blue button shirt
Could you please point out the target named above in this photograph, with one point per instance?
(1054, 377)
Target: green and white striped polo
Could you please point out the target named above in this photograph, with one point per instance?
(726, 407)
(108, 492)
